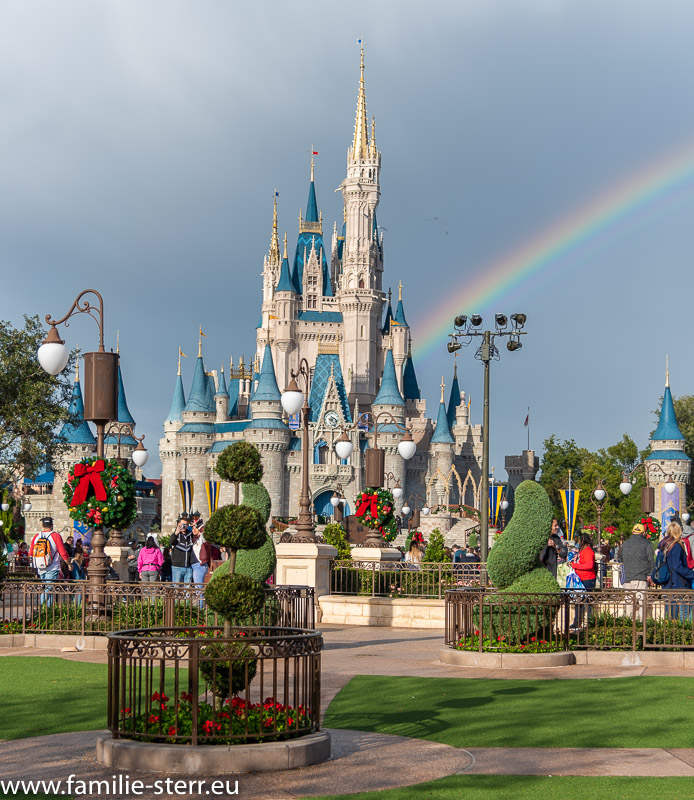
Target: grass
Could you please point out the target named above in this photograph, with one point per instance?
(619, 712)
(39, 696)
(531, 787)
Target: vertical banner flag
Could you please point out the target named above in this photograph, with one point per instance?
(295, 421)
(495, 493)
(187, 493)
(82, 533)
(669, 505)
(212, 491)
(569, 499)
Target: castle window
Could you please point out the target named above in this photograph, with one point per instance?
(362, 332)
(311, 302)
(361, 283)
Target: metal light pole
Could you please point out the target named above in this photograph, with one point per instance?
(100, 399)
(466, 330)
(599, 498)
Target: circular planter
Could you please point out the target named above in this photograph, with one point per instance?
(213, 759)
(473, 658)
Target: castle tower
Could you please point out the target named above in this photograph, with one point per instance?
(442, 448)
(400, 331)
(271, 267)
(286, 308)
(454, 396)
(391, 401)
(360, 295)
(667, 452)
(169, 452)
(221, 399)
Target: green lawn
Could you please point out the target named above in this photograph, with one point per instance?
(619, 712)
(530, 787)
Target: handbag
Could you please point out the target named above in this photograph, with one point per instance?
(573, 581)
(661, 571)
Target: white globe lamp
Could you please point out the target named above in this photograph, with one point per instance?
(53, 354)
(426, 510)
(292, 398)
(407, 448)
(670, 487)
(599, 495)
(344, 447)
(140, 455)
(406, 510)
(397, 492)
(625, 487)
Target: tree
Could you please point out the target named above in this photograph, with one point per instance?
(557, 459)
(239, 463)
(33, 404)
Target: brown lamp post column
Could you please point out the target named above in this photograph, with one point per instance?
(100, 404)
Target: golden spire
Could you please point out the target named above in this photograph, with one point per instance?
(274, 242)
(118, 342)
(285, 244)
(200, 343)
(231, 367)
(360, 146)
(373, 136)
(443, 386)
(400, 291)
(667, 372)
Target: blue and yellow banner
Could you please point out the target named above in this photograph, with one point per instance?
(495, 494)
(187, 494)
(569, 500)
(212, 492)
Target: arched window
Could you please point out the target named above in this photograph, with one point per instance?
(320, 452)
(361, 283)
(362, 332)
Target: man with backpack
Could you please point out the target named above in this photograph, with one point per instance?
(46, 551)
(637, 560)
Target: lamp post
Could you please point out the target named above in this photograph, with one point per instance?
(337, 502)
(375, 458)
(647, 492)
(467, 329)
(100, 398)
(293, 400)
(119, 430)
(414, 520)
(397, 489)
(598, 499)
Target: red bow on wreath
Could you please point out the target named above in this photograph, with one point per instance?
(366, 501)
(648, 524)
(89, 475)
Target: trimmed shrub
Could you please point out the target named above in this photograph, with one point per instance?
(256, 496)
(235, 596)
(258, 564)
(472, 540)
(239, 463)
(236, 527)
(517, 552)
(218, 662)
(436, 548)
(336, 535)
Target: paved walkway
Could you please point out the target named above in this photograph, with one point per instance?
(358, 757)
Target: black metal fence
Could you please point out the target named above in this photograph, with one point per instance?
(403, 579)
(197, 687)
(614, 619)
(73, 607)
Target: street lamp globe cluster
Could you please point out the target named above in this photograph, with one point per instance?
(466, 329)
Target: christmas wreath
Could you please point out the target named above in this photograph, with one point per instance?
(652, 526)
(375, 510)
(100, 492)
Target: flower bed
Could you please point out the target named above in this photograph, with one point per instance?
(501, 645)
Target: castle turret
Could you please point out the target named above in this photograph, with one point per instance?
(453, 397)
(667, 461)
(400, 331)
(221, 398)
(391, 401)
(78, 433)
(442, 449)
(173, 419)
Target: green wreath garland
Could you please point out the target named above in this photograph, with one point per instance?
(375, 510)
(100, 492)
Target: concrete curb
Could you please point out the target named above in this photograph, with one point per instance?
(213, 759)
(473, 658)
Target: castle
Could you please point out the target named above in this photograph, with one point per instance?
(327, 306)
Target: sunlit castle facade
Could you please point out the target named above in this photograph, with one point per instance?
(328, 305)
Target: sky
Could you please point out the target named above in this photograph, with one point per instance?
(538, 156)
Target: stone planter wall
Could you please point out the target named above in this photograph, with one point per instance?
(395, 612)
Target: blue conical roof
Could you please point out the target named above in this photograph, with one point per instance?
(400, 314)
(453, 399)
(389, 393)
(389, 317)
(80, 432)
(233, 397)
(222, 388)
(442, 434)
(667, 425)
(312, 205)
(211, 390)
(124, 414)
(409, 381)
(179, 401)
(198, 399)
(267, 390)
(284, 284)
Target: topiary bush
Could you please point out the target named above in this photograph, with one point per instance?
(257, 564)
(236, 528)
(472, 540)
(256, 496)
(239, 463)
(436, 548)
(336, 535)
(235, 595)
(219, 662)
(517, 552)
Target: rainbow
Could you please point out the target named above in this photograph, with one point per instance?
(605, 214)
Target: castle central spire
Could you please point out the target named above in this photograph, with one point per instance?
(360, 146)
(275, 240)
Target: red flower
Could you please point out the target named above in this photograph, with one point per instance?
(153, 718)
(125, 710)
(172, 730)
(187, 697)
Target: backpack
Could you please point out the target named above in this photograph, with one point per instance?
(43, 554)
(661, 571)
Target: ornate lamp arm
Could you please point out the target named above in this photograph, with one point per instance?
(80, 308)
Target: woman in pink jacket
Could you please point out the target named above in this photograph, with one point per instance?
(149, 561)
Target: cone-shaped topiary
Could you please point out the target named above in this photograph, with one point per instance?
(517, 552)
(472, 540)
(236, 528)
(235, 596)
(239, 463)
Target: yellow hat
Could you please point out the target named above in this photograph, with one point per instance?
(638, 528)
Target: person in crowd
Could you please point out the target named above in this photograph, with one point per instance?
(584, 567)
(165, 573)
(46, 551)
(182, 555)
(636, 555)
(681, 576)
(22, 558)
(133, 556)
(149, 561)
(604, 550)
(555, 548)
(70, 546)
(414, 554)
(77, 572)
(203, 557)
